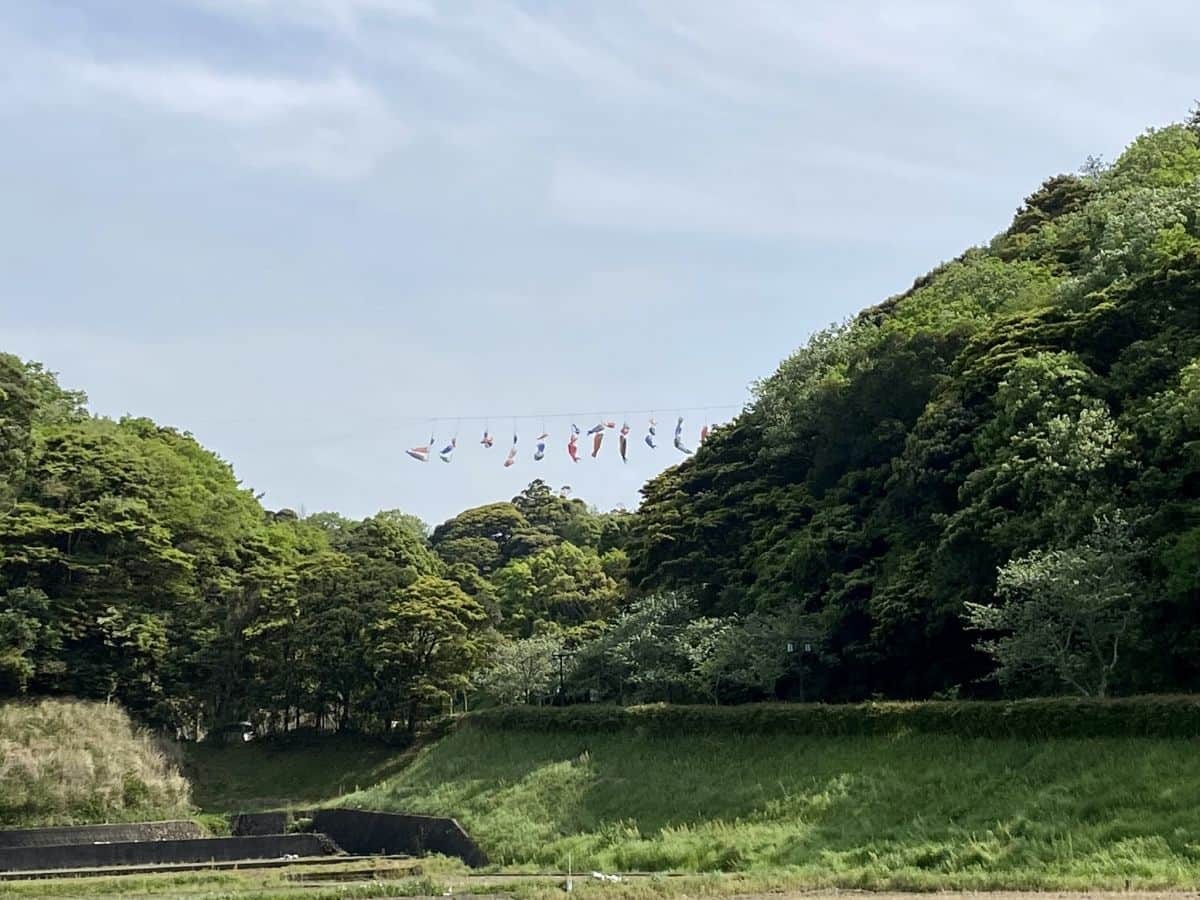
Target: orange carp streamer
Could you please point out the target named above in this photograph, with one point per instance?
(597, 433)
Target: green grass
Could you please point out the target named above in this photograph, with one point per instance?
(902, 812)
(287, 774)
(68, 762)
(350, 881)
(907, 811)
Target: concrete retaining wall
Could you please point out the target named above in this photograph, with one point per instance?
(244, 824)
(89, 834)
(358, 831)
(78, 856)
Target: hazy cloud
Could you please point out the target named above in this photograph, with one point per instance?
(330, 126)
(346, 15)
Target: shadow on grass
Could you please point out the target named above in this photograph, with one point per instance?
(270, 774)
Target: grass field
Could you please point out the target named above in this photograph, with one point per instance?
(740, 813)
(351, 883)
(904, 812)
(66, 762)
(352, 880)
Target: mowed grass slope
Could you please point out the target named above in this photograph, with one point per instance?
(67, 762)
(907, 811)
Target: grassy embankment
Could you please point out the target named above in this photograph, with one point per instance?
(901, 810)
(892, 807)
(65, 762)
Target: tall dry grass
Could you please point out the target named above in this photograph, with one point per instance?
(66, 762)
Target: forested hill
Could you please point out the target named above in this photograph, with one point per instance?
(135, 567)
(1033, 405)
(990, 483)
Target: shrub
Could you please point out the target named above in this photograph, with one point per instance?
(1157, 716)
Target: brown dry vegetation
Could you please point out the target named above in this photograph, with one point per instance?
(68, 762)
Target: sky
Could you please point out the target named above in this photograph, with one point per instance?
(303, 230)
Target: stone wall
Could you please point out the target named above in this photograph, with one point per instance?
(90, 834)
(229, 849)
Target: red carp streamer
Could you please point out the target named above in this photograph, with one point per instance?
(421, 454)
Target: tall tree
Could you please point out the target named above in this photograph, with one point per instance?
(424, 647)
(1072, 612)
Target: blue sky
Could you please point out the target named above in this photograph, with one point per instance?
(301, 228)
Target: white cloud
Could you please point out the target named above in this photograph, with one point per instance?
(556, 47)
(334, 126)
(346, 15)
(541, 46)
(925, 55)
(818, 193)
(198, 91)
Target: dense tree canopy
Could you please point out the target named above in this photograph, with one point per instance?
(883, 475)
(134, 566)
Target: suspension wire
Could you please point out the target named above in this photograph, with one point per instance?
(364, 433)
(543, 416)
(486, 419)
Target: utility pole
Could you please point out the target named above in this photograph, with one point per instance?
(561, 656)
(802, 648)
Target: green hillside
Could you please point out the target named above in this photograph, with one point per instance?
(65, 763)
(910, 478)
(901, 811)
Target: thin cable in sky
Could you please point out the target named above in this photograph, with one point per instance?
(509, 417)
(392, 424)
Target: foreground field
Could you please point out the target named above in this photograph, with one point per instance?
(352, 880)
(705, 809)
(902, 812)
(354, 883)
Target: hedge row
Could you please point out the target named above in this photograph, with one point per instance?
(1159, 716)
